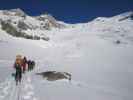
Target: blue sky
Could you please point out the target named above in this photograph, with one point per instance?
(71, 11)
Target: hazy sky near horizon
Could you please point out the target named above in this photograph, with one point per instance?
(71, 11)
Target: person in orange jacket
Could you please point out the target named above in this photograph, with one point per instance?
(18, 68)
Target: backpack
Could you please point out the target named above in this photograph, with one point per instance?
(17, 67)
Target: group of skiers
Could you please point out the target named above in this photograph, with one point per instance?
(21, 65)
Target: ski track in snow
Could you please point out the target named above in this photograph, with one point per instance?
(24, 91)
(5, 88)
(28, 89)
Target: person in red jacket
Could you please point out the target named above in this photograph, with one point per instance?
(24, 64)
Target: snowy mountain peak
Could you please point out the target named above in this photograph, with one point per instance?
(130, 13)
(120, 17)
(101, 19)
(16, 23)
(17, 10)
(124, 16)
(45, 16)
(14, 12)
(49, 21)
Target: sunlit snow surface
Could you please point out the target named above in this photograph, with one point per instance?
(100, 68)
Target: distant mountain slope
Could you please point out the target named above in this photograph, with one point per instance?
(17, 23)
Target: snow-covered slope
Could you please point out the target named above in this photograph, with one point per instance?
(101, 68)
(15, 22)
(19, 24)
(113, 28)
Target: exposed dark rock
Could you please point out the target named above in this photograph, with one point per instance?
(53, 75)
(23, 26)
(10, 29)
(117, 41)
(45, 38)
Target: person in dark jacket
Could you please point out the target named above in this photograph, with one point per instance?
(24, 64)
(31, 65)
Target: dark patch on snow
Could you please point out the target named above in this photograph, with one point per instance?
(117, 41)
(128, 16)
(54, 75)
